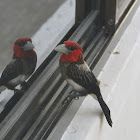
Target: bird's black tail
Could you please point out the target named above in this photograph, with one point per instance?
(105, 110)
(0, 82)
(2, 88)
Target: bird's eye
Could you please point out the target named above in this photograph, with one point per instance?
(73, 48)
(21, 44)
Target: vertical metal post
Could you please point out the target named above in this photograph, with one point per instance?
(80, 10)
(83, 8)
(109, 15)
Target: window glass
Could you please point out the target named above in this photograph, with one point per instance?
(54, 29)
(121, 6)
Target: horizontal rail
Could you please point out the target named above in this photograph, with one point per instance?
(41, 93)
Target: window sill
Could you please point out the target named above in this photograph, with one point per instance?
(89, 122)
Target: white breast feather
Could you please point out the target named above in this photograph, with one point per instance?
(76, 86)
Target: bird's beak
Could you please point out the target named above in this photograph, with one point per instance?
(28, 46)
(62, 48)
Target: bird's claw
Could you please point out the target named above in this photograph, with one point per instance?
(76, 98)
(74, 95)
(25, 84)
(16, 90)
(70, 97)
(66, 100)
(19, 91)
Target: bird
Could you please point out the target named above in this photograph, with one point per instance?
(78, 74)
(21, 67)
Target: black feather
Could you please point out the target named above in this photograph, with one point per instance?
(105, 110)
(12, 70)
(18, 66)
(84, 77)
(81, 74)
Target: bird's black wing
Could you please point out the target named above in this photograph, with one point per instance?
(12, 70)
(84, 77)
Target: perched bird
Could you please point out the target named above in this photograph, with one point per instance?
(77, 73)
(21, 66)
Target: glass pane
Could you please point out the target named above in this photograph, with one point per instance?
(46, 22)
(54, 29)
(121, 6)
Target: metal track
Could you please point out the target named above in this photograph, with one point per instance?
(40, 108)
(35, 112)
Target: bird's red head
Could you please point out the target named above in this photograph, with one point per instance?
(73, 46)
(23, 40)
(72, 52)
(23, 48)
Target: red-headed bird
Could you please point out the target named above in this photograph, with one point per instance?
(21, 66)
(77, 73)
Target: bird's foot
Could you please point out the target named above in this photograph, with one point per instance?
(25, 84)
(72, 95)
(18, 90)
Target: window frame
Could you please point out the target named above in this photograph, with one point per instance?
(86, 17)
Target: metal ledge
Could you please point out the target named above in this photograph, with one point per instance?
(40, 108)
(39, 99)
(68, 116)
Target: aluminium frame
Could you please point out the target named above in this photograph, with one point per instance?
(43, 103)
